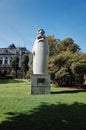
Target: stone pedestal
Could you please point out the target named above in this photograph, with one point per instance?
(40, 84)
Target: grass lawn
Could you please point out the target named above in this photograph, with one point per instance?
(63, 109)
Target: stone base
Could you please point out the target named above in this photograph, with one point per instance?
(40, 84)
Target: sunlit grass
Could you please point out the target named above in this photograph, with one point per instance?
(17, 104)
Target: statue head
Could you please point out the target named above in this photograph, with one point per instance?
(40, 33)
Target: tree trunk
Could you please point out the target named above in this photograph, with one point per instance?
(16, 73)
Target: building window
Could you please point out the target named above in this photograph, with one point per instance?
(6, 62)
(0, 62)
(11, 58)
(6, 58)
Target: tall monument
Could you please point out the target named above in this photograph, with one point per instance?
(40, 80)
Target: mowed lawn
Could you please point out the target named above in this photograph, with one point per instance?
(63, 109)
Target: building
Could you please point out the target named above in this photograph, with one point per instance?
(7, 54)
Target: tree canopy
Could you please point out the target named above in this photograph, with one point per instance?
(25, 66)
(68, 45)
(52, 42)
(15, 64)
(67, 65)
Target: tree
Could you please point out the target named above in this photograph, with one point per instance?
(67, 45)
(15, 64)
(60, 68)
(78, 67)
(52, 42)
(25, 66)
(68, 66)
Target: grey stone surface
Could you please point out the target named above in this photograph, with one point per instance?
(40, 80)
(40, 54)
(40, 84)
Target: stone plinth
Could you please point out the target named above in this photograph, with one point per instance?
(40, 84)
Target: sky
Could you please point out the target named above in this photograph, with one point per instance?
(20, 20)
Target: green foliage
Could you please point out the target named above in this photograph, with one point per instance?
(68, 67)
(63, 54)
(79, 68)
(28, 74)
(25, 66)
(15, 64)
(62, 73)
(67, 45)
(52, 42)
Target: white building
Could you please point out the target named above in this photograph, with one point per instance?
(7, 54)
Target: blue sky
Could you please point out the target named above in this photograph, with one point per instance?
(20, 20)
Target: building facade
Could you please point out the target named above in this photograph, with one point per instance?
(7, 54)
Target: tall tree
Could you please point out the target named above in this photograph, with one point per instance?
(68, 45)
(15, 64)
(52, 42)
(68, 65)
(25, 66)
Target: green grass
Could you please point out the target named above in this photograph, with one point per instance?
(63, 109)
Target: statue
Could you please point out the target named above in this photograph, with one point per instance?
(40, 79)
(40, 54)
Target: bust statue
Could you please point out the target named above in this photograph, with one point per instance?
(40, 79)
(40, 54)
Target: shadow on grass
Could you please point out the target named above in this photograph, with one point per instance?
(48, 117)
(5, 81)
(69, 91)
